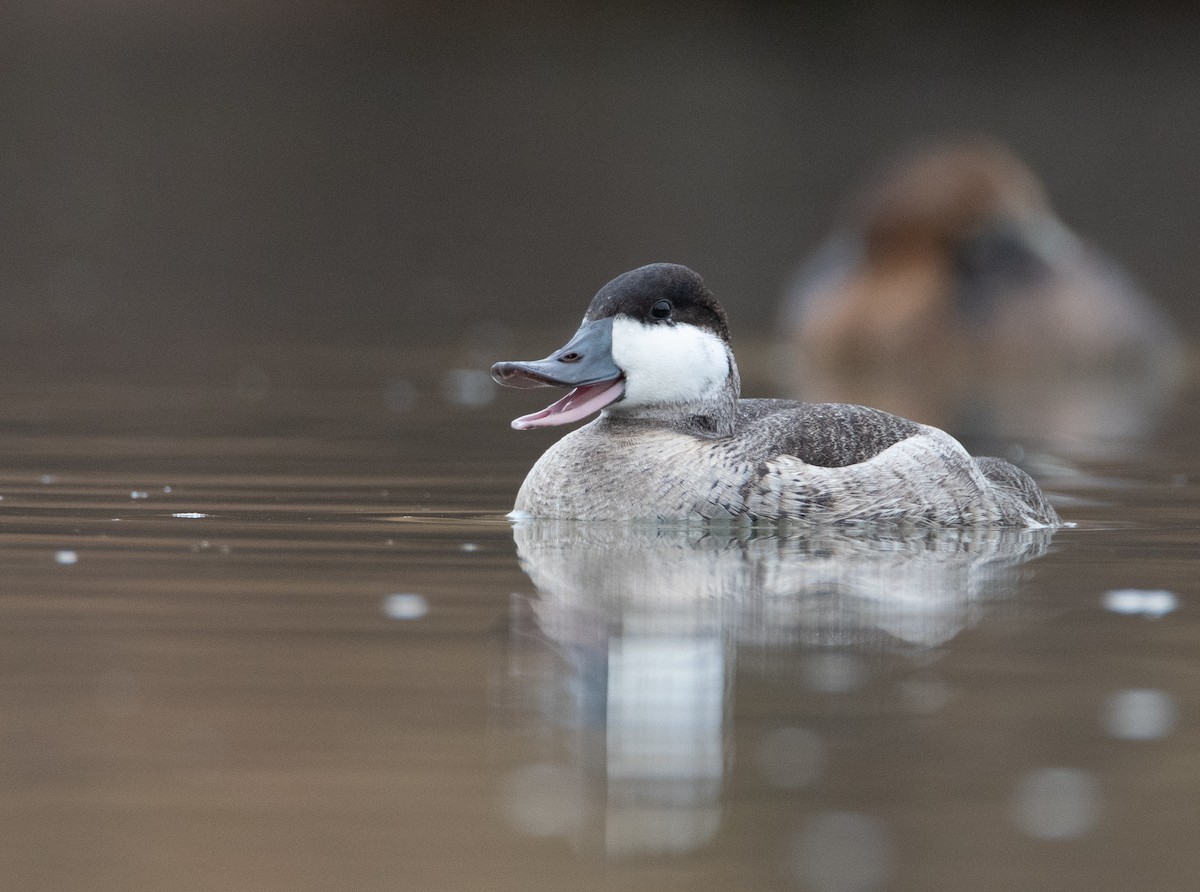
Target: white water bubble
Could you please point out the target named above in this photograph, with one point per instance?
(405, 605)
(925, 693)
(1151, 603)
(189, 515)
(1139, 714)
(544, 800)
(66, 557)
(833, 673)
(139, 494)
(844, 851)
(1057, 803)
(471, 388)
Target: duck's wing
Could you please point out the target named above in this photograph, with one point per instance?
(874, 473)
(841, 463)
(827, 435)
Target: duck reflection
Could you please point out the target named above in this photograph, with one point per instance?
(628, 649)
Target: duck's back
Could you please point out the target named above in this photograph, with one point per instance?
(828, 435)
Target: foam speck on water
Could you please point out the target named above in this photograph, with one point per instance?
(1151, 603)
(844, 851)
(834, 673)
(544, 799)
(471, 388)
(405, 605)
(1139, 714)
(1057, 803)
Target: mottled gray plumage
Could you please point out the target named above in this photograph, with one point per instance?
(615, 469)
(830, 435)
(717, 457)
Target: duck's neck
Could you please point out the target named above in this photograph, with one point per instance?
(711, 415)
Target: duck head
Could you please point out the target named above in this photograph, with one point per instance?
(654, 343)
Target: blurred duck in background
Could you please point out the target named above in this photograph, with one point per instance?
(953, 295)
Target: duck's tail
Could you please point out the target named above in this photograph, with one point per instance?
(1018, 485)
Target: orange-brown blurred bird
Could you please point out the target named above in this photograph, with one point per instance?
(954, 295)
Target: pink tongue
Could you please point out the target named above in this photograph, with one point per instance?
(579, 403)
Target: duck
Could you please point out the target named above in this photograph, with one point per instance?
(952, 292)
(674, 441)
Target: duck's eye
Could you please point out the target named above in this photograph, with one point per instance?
(661, 310)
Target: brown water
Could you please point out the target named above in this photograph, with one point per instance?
(272, 633)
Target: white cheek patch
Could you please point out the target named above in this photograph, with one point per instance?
(667, 363)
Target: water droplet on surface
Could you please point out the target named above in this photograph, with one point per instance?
(469, 547)
(925, 693)
(1139, 714)
(66, 557)
(833, 673)
(468, 387)
(405, 605)
(843, 852)
(1057, 803)
(189, 515)
(543, 800)
(1152, 603)
(47, 479)
(139, 494)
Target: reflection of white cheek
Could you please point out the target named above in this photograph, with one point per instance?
(667, 363)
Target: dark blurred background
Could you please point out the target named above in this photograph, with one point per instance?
(180, 177)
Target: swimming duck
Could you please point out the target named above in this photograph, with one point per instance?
(951, 291)
(674, 442)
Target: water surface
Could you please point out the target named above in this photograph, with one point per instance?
(271, 633)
